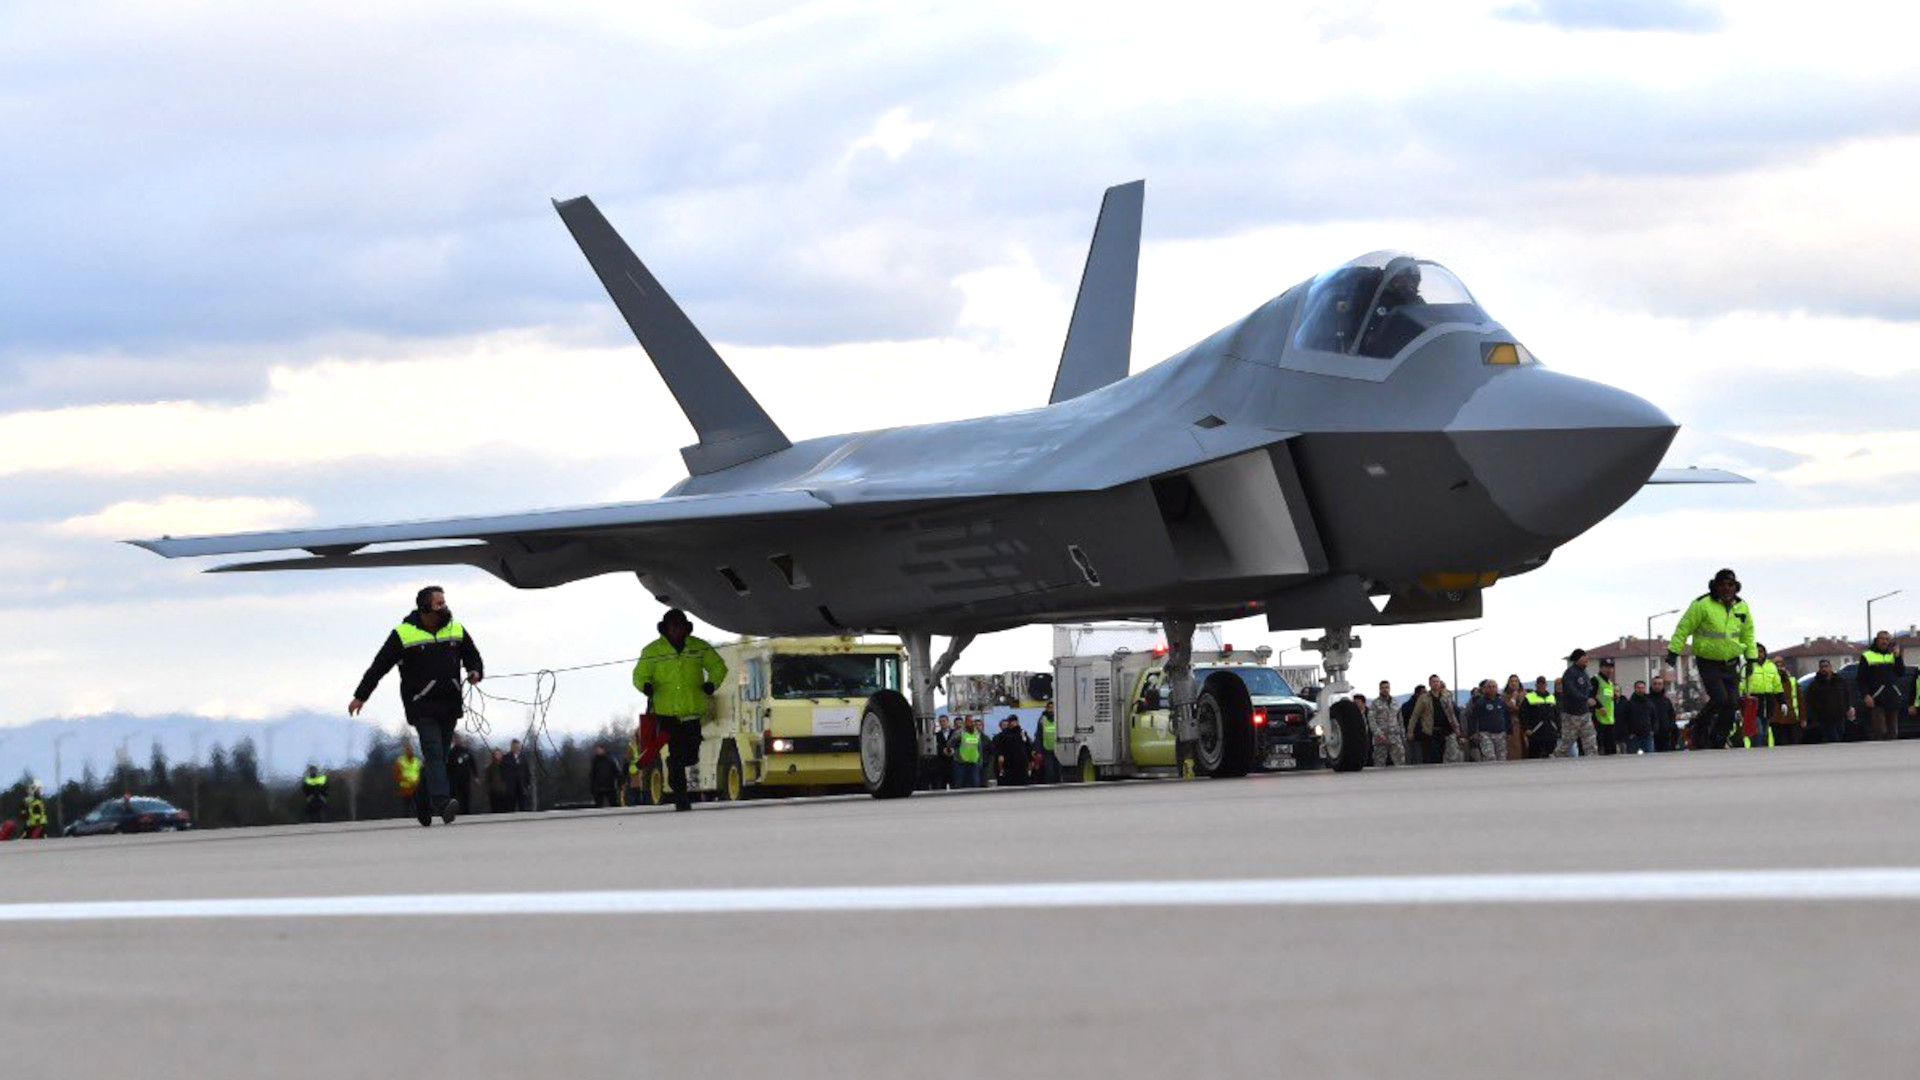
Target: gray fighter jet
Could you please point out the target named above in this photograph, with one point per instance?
(1369, 447)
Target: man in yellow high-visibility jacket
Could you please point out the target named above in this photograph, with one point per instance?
(1763, 682)
(1721, 629)
(678, 673)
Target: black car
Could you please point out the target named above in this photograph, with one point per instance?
(131, 815)
(1282, 729)
(1856, 729)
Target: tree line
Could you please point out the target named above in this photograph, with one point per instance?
(228, 790)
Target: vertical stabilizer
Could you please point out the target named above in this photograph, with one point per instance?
(1099, 346)
(732, 426)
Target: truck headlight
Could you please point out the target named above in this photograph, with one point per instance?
(783, 746)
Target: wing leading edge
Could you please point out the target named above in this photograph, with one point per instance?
(534, 549)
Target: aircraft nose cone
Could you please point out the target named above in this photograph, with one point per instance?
(1556, 453)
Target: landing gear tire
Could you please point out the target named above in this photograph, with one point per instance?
(730, 785)
(889, 746)
(1344, 744)
(653, 786)
(1225, 717)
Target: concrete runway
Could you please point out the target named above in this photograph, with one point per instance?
(1515, 987)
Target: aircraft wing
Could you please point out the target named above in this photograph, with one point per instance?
(1693, 474)
(530, 550)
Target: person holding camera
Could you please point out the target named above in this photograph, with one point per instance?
(678, 673)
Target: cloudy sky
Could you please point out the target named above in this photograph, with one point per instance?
(274, 265)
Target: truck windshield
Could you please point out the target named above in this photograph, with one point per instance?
(1261, 681)
(840, 675)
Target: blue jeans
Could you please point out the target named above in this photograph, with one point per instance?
(434, 735)
(966, 774)
(1638, 744)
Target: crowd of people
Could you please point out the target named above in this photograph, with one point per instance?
(1749, 701)
(965, 756)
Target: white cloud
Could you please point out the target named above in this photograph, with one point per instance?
(186, 515)
(893, 134)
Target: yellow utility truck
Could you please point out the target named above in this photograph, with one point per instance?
(787, 718)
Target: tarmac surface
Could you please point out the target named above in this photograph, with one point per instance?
(866, 962)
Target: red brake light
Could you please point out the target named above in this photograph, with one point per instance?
(1259, 717)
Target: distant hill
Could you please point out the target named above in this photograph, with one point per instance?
(284, 744)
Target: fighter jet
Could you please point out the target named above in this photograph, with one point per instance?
(1369, 447)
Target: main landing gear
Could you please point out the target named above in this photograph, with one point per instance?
(897, 734)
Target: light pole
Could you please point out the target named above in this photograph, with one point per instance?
(59, 786)
(1650, 618)
(1870, 604)
(1455, 688)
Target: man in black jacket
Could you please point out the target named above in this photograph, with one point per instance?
(603, 778)
(1635, 717)
(431, 647)
(1666, 723)
(1014, 751)
(1576, 709)
(1829, 703)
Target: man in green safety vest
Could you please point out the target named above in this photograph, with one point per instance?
(1721, 629)
(969, 751)
(1049, 734)
(1763, 683)
(1882, 677)
(431, 647)
(678, 673)
(33, 814)
(313, 787)
(1604, 694)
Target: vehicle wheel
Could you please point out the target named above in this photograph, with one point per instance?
(653, 786)
(1225, 716)
(730, 784)
(889, 746)
(1344, 745)
(1086, 771)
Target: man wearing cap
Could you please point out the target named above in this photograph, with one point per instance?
(431, 647)
(1721, 628)
(1604, 693)
(1576, 709)
(677, 673)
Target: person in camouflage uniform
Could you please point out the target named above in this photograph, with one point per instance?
(1389, 735)
(1489, 722)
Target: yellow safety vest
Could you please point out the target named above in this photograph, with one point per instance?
(411, 635)
(970, 748)
(1763, 679)
(1719, 633)
(1048, 730)
(1536, 699)
(36, 811)
(409, 774)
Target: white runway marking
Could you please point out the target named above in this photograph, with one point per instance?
(1651, 887)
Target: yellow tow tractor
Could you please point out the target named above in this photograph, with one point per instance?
(787, 718)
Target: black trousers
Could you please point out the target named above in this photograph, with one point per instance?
(1604, 735)
(605, 797)
(683, 746)
(1721, 680)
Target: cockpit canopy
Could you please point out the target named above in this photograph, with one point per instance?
(1378, 303)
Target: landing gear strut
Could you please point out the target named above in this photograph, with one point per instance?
(1178, 677)
(1342, 727)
